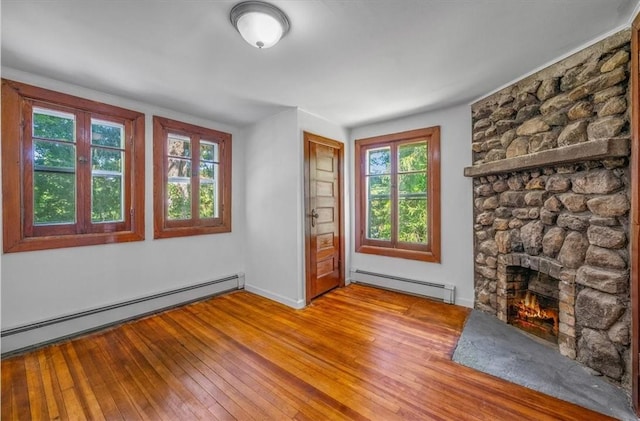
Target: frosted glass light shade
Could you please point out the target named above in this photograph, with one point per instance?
(259, 30)
(261, 24)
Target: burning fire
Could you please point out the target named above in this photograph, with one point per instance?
(529, 308)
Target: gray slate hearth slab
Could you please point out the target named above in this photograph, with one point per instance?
(499, 349)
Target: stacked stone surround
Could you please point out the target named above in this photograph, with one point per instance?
(566, 219)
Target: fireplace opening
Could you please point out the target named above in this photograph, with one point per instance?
(532, 303)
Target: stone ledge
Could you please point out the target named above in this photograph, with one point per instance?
(581, 152)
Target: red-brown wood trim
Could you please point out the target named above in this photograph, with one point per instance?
(428, 253)
(434, 190)
(194, 226)
(307, 139)
(15, 95)
(11, 166)
(634, 229)
(307, 223)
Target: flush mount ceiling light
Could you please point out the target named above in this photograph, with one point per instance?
(260, 24)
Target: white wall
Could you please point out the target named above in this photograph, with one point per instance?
(272, 214)
(456, 199)
(44, 284)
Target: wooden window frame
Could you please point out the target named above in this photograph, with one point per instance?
(19, 233)
(165, 228)
(429, 252)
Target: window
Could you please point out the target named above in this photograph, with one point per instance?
(398, 195)
(73, 170)
(192, 179)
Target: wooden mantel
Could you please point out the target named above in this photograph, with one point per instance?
(581, 152)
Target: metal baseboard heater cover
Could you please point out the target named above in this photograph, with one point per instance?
(442, 292)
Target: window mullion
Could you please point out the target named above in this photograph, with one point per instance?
(195, 179)
(394, 194)
(165, 173)
(83, 172)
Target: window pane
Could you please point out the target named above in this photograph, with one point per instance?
(379, 161)
(179, 200)
(378, 185)
(179, 145)
(208, 190)
(179, 187)
(208, 151)
(105, 133)
(206, 170)
(412, 220)
(379, 207)
(179, 168)
(50, 124)
(106, 199)
(412, 157)
(412, 184)
(54, 198)
(208, 200)
(106, 160)
(379, 219)
(54, 154)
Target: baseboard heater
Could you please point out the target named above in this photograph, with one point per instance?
(441, 292)
(34, 335)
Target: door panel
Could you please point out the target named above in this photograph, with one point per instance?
(323, 207)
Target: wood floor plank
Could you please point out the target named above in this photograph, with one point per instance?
(356, 353)
(71, 400)
(99, 380)
(48, 385)
(86, 393)
(38, 407)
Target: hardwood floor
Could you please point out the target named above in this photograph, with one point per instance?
(357, 353)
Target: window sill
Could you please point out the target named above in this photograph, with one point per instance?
(64, 241)
(424, 256)
(189, 231)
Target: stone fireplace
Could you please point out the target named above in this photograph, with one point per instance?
(551, 206)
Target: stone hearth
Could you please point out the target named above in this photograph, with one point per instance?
(551, 194)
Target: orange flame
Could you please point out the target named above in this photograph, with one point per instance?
(529, 308)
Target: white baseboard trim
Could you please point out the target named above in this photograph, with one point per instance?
(33, 335)
(275, 297)
(463, 302)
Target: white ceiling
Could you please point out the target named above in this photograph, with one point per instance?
(351, 61)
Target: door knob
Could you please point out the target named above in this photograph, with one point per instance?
(314, 215)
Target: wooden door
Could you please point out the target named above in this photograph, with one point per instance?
(324, 220)
(634, 228)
